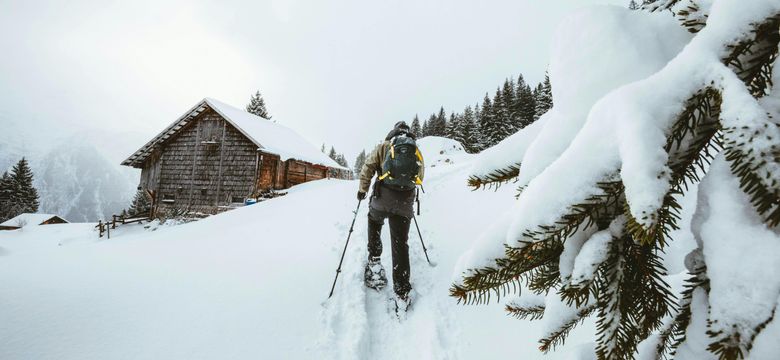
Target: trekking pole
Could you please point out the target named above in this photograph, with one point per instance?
(351, 227)
(421, 241)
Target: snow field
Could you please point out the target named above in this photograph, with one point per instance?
(253, 282)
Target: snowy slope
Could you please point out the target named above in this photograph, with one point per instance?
(253, 283)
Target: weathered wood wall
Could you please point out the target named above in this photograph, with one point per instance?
(150, 174)
(269, 173)
(207, 164)
(54, 220)
(276, 174)
(300, 172)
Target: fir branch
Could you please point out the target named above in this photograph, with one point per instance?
(598, 209)
(752, 58)
(692, 18)
(729, 346)
(558, 337)
(674, 334)
(692, 144)
(632, 299)
(661, 5)
(613, 341)
(541, 251)
(478, 287)
(765, 200)
(495, 178)
(644, 280)
(580, 293)
(534, 312)
(543, 278)
(695, 124)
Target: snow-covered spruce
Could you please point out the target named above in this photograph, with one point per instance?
(643, 103)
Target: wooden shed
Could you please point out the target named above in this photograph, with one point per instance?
(29, 219)
(215, 156)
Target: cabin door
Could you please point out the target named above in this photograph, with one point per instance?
(266, 178)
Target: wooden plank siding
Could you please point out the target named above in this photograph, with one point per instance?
(300, 172)
(204, 165)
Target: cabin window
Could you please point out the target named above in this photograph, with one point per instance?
(169, 198)
(210, 131)
(237, 199)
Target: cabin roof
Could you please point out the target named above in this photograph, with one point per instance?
(269, 137)
(30, 219)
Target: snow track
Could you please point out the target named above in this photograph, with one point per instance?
(360, 322)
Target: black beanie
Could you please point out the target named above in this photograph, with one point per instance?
(401, 125)
(400, 128)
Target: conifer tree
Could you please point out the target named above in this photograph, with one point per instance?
(525, 104)
(322, 148)
(508, 105)
(415, 128)
(24, 197)
(6, 189)
(721, 133)
(140, 205)
(333, 154)
(257, 106)
(468, 131)
(342, 160)
(361, 159)
(633, 5)
(479, 143)
(438, 123)
(430, 125)
(543, 97)
(453, 126)
(491, 133)
(501, 118)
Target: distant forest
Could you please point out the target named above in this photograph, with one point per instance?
(514, 106)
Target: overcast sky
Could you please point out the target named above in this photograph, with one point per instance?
(339, 72)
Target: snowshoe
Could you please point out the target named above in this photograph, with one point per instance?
(375, 275)
(402, 305)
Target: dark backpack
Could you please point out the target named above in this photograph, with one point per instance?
(401, 164)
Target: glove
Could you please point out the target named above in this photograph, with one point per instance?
(361, 195)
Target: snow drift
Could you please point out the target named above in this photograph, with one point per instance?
(252, 282)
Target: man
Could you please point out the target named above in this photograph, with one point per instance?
(398, 165)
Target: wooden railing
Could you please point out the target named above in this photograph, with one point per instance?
(107, 226)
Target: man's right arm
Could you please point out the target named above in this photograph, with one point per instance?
(370, 167)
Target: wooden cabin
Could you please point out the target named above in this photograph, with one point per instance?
(29, 219)
(215, 156)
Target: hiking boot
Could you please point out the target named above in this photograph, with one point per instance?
(375, 274)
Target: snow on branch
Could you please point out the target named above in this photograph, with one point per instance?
(622, 172)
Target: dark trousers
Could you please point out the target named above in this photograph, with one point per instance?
(399, 235)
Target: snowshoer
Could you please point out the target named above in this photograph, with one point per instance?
(398, 165)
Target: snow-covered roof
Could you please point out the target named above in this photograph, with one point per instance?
(29, 219)
(269, 137)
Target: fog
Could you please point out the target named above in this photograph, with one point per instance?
(338, 72)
